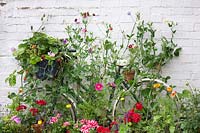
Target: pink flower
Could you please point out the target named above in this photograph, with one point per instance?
(85, 129)
(53, 120)
(65, 124)
(58, 115)
(84, 30)
(98, 86)
(83, 121)
(16, 119)
(92, 124)
(51, 54)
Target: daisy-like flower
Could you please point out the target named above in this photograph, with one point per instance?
(99, 86)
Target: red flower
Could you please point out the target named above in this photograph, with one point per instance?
(102, 129)
(138, 106)
(21, 107)
(34, 111)
(41, 102)
(136, 117)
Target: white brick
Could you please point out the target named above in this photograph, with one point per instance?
(18, 15)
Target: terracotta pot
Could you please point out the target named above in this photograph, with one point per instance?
(129, 75)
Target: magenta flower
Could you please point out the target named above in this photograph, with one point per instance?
(65, 124)
(16, 119)
(84, 30)
(53, 120)
(98, 86)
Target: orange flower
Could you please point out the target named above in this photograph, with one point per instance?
(169, 89)
(173, 94)
(157, 85)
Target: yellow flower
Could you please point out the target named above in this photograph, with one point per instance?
(122, 99)
(39, 122)
(68, 106)
(173, 94)
(169, 89)
(157, 85)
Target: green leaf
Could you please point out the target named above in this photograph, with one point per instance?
(186, 93)
(18, 52)
(11, 79)
(34, 60)
(177, 51)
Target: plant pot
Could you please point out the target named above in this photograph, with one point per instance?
(129, 75)
(47, 71)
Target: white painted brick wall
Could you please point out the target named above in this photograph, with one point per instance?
(16, 17)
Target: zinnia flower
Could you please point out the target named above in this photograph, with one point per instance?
(98, 86)
(169, 89)
(34, 111)
(21, 107)
(157, 85)
(138, 106)
(41, 102)
(16, 119)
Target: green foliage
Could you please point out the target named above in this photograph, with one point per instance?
(66, 73)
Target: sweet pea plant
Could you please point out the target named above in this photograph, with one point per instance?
(85, 83)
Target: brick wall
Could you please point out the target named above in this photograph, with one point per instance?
(16, 17)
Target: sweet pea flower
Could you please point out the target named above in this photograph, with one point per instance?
(13, 49)
(98, 86)
(84, 30)
(51, 54)
(16, 119)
